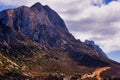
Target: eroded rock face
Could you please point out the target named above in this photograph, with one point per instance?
(38, 23)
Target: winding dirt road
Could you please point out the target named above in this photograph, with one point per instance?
(96, 73)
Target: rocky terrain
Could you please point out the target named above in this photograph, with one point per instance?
(35, 44)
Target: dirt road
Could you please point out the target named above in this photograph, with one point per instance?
(96, 73)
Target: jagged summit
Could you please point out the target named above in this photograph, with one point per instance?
(37, 4)
(94, 46)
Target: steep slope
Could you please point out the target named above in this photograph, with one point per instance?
(36, 39)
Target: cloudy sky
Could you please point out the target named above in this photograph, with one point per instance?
(97, 20)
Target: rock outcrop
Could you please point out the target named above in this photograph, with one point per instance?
(94, 46)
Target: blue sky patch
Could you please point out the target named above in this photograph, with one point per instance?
(3, 7)
(114, 55)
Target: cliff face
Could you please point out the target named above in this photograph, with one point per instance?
(38, 23)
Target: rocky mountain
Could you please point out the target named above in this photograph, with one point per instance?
(39, 23)
(35, 44)
(94, 46)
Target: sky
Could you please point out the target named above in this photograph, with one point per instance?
(96, 20)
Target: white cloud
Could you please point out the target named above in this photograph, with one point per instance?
(86, 21)
(100, 24)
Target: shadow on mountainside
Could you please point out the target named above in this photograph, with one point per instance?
(87, 60)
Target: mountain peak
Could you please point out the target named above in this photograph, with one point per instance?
(94, 46)
(40, 23)
(37, 5)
